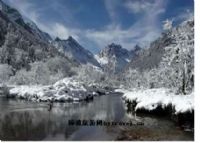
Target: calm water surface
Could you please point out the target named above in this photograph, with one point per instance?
(23, 120)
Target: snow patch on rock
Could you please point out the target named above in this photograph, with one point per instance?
(101, 60)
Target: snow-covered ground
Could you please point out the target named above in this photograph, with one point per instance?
(150, 99)
(68, 89)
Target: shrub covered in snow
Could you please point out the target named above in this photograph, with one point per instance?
(67, 89)
(43, 73)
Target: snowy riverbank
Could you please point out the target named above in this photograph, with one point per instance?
(68, 89)
(150, 99)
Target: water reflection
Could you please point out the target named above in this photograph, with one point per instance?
(20, 126)
(32, 121)
(22, 120)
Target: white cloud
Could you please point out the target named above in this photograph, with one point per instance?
(145, 6)
(126, 37)
(59, 30)
(111, 33)
(138, 6)
(112, 7)
(143, 31)
(167, 24)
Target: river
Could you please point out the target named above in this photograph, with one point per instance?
(24, 120)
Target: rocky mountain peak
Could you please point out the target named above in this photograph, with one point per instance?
(136, 48)
(114, 46)
(113, 50)
(72, 49)
(57, 39)
(70, 38)
(113, 58)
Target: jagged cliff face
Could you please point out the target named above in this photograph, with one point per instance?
(114, 58)
(72, 49)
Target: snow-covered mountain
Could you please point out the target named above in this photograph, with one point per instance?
(26, 23)
(25, 56)
(113, 57)
(72, 49)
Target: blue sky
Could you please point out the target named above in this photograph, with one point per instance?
(97, 23)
